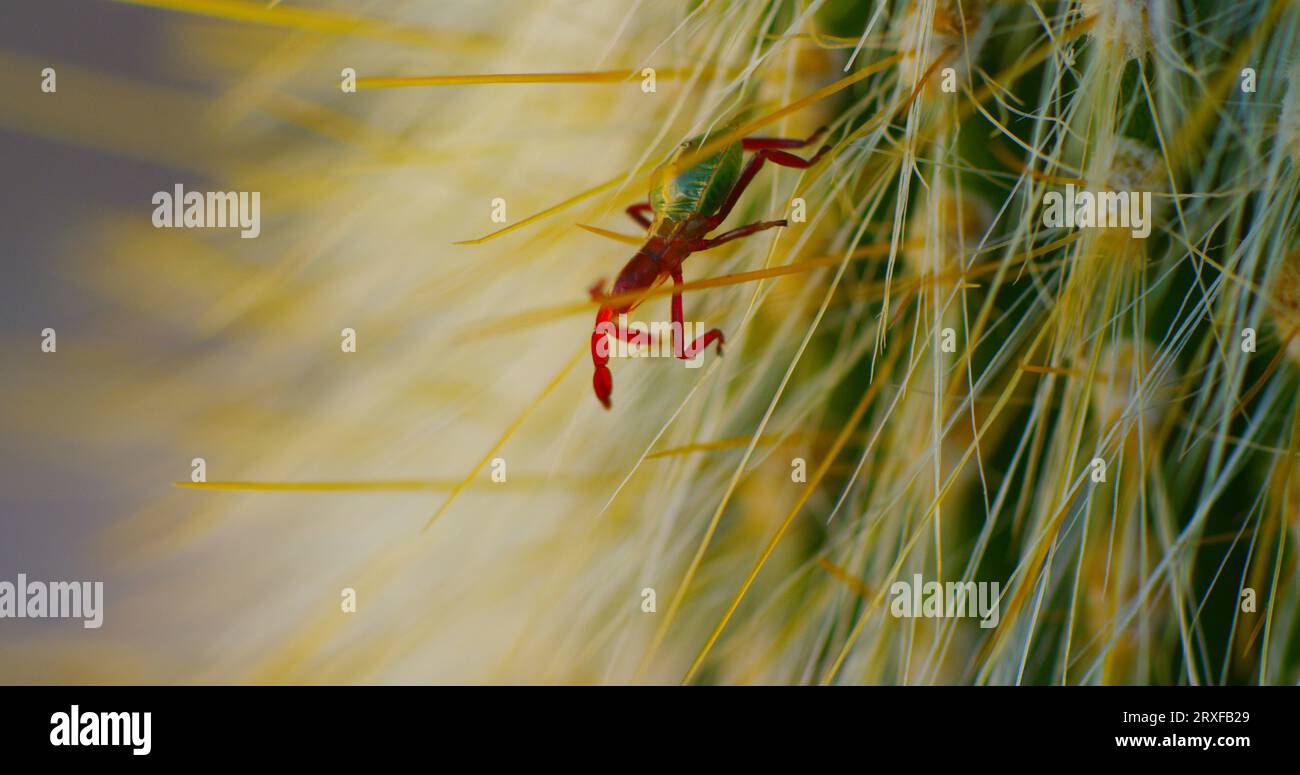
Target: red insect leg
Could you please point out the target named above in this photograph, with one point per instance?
(683, 350)
(728, 236)
(638, 213)
(603, 379)
(780, 158)
(759, 143)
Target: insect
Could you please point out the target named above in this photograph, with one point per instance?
(687, 204)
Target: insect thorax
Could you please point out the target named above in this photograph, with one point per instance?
(677, 192)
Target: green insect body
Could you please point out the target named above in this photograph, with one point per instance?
(676, 194)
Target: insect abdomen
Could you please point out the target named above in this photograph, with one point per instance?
(697, 190)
